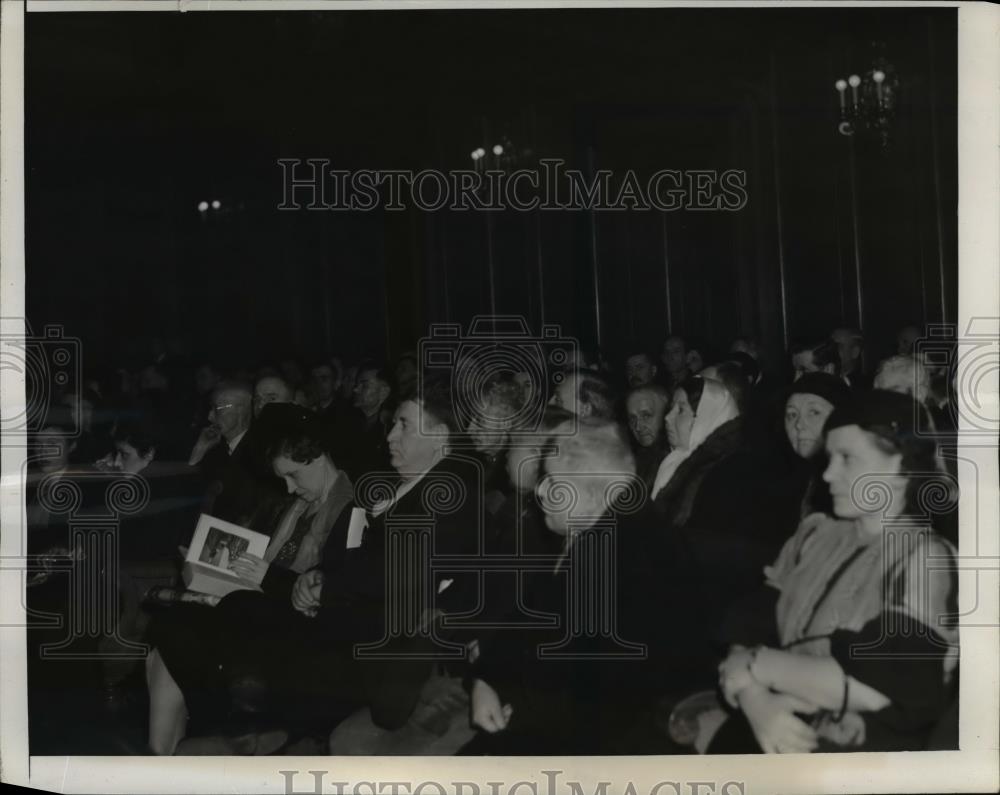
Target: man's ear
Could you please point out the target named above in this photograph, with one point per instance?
(150, 455)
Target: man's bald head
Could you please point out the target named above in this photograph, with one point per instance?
(231, 408)
(646, 407)
(270, 389)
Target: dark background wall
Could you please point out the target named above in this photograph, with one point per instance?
(132, 119)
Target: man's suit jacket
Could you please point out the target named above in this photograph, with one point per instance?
(391, 571)
(239, 484)
(370, 594)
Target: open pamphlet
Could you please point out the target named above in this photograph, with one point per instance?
(214, 547)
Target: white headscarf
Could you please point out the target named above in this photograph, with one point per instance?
(715, 409)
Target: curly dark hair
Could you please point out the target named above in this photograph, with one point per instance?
(296, 433)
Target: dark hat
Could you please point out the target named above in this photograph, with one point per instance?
(891, 415)
(826, 386)
(749, 366)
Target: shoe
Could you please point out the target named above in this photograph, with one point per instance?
(262, 744)
(695, 719)
(256, 744)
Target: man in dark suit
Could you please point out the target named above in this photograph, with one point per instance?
(236, 476)
(578, 686)
(366, 428)
(387, 593)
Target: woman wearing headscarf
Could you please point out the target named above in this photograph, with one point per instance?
(725, 502)
(703, 419)
(864, 654)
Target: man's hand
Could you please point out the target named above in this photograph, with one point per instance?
(250, 568)
(207, 439)
(486, 710)
(306, 592)
(774, 725)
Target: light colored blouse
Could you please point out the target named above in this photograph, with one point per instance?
(832, 576)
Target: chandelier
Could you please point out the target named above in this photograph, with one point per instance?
(868, 102)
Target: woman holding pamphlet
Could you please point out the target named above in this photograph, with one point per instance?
(194, 669)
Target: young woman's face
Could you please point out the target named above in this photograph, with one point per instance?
(680, 421)
(853, 456)
(805, 415)
(128, 459)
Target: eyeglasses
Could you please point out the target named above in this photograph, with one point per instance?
(223, 407)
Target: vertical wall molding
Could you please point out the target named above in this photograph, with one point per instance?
(776, 164)
(936, 168)
(666, 276)
(855, 223)
(593, 254)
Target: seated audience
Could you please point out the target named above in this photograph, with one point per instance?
(673, 356)
(746, 345)
(585, 393)
(905, 375)
(814, 357)
(323, 386)
(702, 411)
(370, 399)
(363, 614)
(517, 525)
(640, 368)
(228, 454)
(733, 378)
(851, 351)
(542, 691)
(837, 580)
(646, 406)
(270, 389)
(407, 372)
(489, 429)
(307, 674)
(810, 402)
(714, 493)
(195, 679)
(696, 357)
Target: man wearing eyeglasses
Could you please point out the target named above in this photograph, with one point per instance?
(218, 453)
(228, 418)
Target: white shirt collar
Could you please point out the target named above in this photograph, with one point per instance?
(232, 445)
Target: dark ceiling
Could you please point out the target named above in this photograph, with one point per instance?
(132, 118)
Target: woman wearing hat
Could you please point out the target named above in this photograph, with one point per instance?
(864, 656)
(811, 400)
